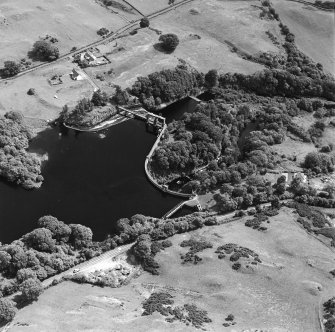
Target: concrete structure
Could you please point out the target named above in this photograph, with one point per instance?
(292, 175)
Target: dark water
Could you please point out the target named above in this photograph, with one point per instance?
(89, 180)
(176, 110)
(185, 210)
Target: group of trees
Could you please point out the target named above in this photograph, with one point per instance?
(55, 246)
(44, 50)
(213, 135)
(10, 68)
(45, 251)
(88, 112)
(166, 86)
(16, 164)
(319, 162)
(273, 82)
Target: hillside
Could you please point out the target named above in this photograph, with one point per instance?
(282, 293)
(313, 28)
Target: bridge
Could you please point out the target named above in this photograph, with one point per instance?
(151, 119)
(192, 202)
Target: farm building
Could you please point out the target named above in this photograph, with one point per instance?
(75, 75)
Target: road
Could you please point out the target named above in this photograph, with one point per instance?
(104, 261)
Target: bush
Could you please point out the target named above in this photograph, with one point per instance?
(169, 42)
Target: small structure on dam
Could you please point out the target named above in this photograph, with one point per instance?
(153, 121)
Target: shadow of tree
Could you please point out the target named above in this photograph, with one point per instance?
(20, 301)
(159, 47)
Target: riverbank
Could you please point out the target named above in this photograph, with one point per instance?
(114, 120)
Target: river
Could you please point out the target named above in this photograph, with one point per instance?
(90, 178)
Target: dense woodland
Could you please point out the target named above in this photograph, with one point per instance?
(16, 163)
(226, 142)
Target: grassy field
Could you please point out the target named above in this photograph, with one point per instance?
(73, 23)
(280, 294)
(204, 40)
(48, 100)
(147, 7)
(313, 28)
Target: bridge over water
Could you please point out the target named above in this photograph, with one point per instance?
(154, 120)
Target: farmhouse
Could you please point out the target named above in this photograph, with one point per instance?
(75, 75)
(88, 56)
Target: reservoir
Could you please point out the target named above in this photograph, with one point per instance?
(92, 179)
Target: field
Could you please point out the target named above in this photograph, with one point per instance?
(313, 28)
(147, 7)
(73, 23)
(48, 100)
(280, 294)
(206, 40)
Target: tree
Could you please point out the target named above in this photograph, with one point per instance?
(169, 42)
(11, 68)
(144, 22)
(31, 289)
(212, 78)
(4, 260)
(99, 98)
(25, 274)
(15, 116)
(7, 311)
(330, 189)
(81, 236)
(44, 50)
(102, 32)
(59, 230)
(121, 97)
(40, 239)
(319, 162)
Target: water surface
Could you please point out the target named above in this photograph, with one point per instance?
(90, 178)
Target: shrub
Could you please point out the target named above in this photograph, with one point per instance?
(31, 92)
(157, 302)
